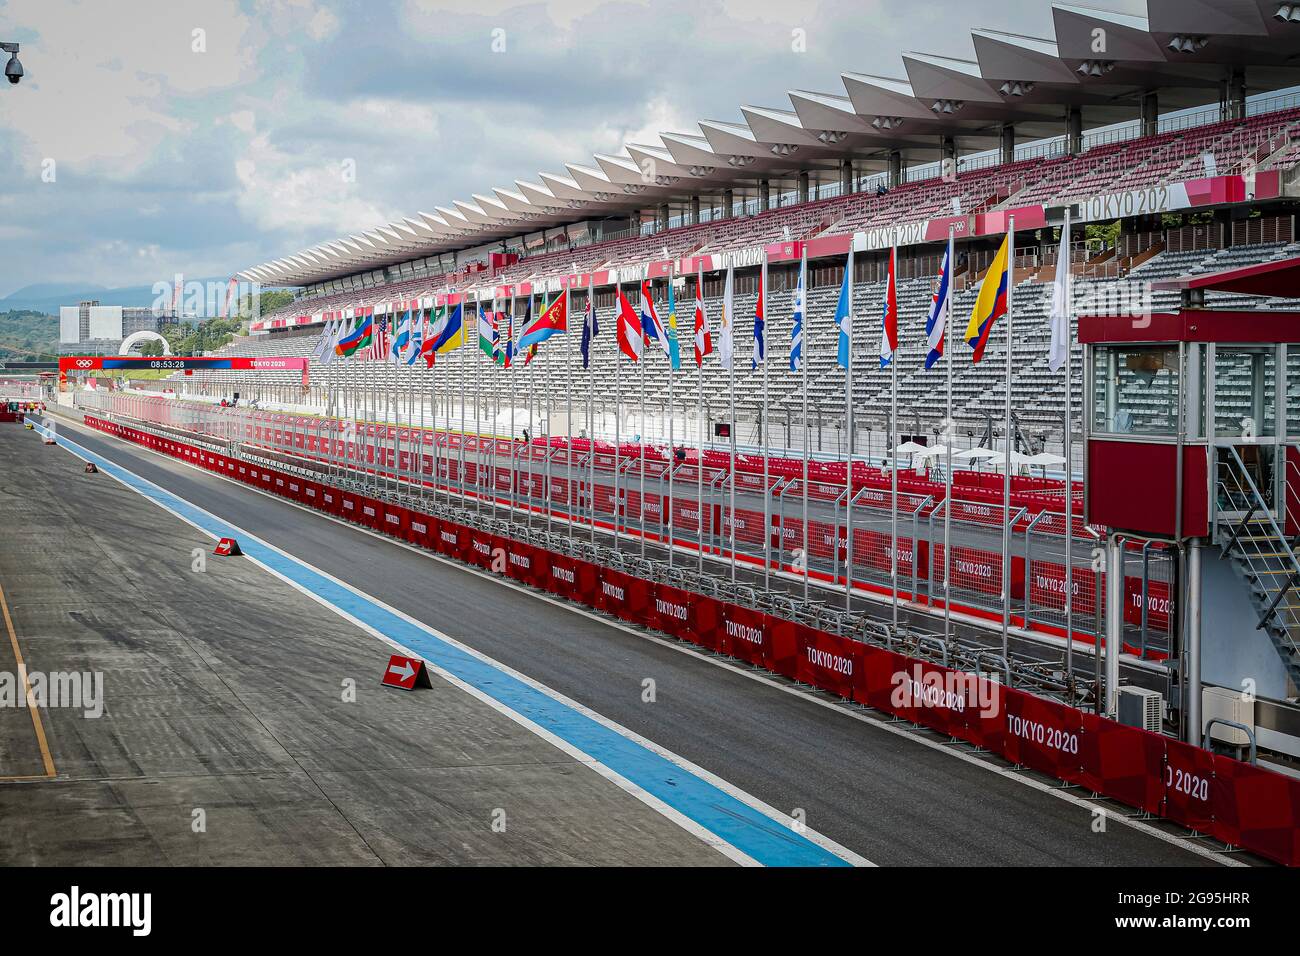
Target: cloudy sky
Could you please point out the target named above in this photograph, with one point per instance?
(201, 136)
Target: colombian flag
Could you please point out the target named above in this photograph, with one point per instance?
(991, 303)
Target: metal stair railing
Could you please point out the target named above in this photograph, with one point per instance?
(1267, 556)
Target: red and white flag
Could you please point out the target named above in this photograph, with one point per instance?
(631, 336)
(703, 335)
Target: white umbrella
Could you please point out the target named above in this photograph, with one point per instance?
(909, 448)
(1045, 459)
(970, 454)
(932, 451)
(999, 460)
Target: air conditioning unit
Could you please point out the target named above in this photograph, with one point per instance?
(1227, 704)
(1139, 707)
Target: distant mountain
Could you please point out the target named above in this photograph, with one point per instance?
(47, 297)
(44, 290)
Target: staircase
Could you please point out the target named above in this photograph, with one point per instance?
(1250, 537)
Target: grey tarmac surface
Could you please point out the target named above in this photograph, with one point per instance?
(223, 692)
(891, 799)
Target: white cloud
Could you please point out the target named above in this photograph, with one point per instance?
(97, 96)
(204, 163)
(323, 25)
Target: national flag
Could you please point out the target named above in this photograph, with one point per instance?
(446, 331)
(357, 339)
(844, 314)
(507, 354)
(530, 351)
(631, 333)
(328, 339)
(323, 343)
(590, 328)
(487, 333)
(990, 304)
(437, 323)
(417, 339)
(453, 336)
(759, 355)
(674, 349)
(889, 314)
(379, 343)
(703, 335)
(553, 321)
(796, 333)
(340, 329)
(726, 342)
(936, 323)
(518, 347)
(1059, 316)
(651, 326)
(402, 340)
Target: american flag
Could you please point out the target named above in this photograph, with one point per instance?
(379, 341)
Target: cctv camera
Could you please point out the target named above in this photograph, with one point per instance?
(13, 69)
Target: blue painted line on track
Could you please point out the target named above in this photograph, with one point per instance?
(751, 832)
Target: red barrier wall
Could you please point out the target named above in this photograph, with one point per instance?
(1242, 805)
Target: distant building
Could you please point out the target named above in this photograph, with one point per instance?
(99, 329)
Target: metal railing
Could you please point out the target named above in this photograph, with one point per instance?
(954, 650)
(539, 484)
(1248, 532)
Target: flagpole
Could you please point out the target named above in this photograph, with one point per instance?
(804, 350)
(478, 409)
(409, 400)
(529, 373)
(447, 395)
(591, 409)
(699, 419)
(618, 408)
(424, 330)
(430, 371)
(666, 518)
(1006, 478)
(763, 436)
(397, 414)
(891, 284)
(952, 432)
(548, 494)
(728, 301)
(370, 476)
(1069, 471)
(568, 429)
(640, 451)
(848, 427)
(510, 371)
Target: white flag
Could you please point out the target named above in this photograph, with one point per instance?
(1059, 317)
(326, 341)
(728, 321)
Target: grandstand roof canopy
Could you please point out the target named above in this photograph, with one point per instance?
(1186, 52)
(1277, 278)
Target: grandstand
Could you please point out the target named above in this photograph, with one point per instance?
(1038, 395)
